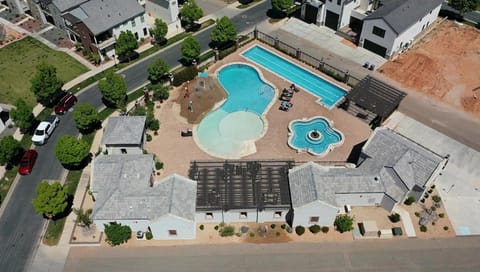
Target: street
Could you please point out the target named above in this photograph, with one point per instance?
(458, 254)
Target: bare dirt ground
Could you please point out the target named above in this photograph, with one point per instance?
(11, 36)
(444, 65)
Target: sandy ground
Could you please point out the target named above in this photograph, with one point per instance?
(168, 144)
(445, 65)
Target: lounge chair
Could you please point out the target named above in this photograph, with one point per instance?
(187, 133)
(285, 98)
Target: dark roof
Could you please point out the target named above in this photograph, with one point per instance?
(226, 185)
(401, 14)
(376, 96)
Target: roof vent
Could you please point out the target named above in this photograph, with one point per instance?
(376, 179)
(131, 207)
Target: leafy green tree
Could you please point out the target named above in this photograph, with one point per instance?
(45, 83)
(117, 234)
(464, 6)
(71, 152)
(224, 32)
(159, 30)
(113, 89)
(190, 12)
(190, 49)
(160, 92)
(126, 44)
(22, 115)
(51, 200)
(281, 6)
(83, 217)
(157, 70)
(344, 223)
(86, 118)
(10, 150)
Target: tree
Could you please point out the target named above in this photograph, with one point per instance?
(160, 92)
(45, 83)
(126, 44)
(157, 70)
(10, 150)
(190, 49)
(117, 234)
(159, 30)
(51, 200)
(22, 115)
(83, 217)
(464, 6)
(71, 152)
(86, 118)
(224, 32)
(113, 89)
(281, 6)
(190, 12)
(344, 223)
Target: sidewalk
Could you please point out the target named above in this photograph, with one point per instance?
(407, 221)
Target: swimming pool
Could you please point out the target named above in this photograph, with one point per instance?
(231, 130)
(328, 93)
(315, 136)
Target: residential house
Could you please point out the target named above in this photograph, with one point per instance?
(124, 192)
(384, 27)
(390, 168)
(167, 10)
(5, 119)
(124, 135)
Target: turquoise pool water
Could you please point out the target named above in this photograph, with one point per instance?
(229, 131)
(315, 136)
(328, 93)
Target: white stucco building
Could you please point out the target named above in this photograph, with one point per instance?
(166, 10)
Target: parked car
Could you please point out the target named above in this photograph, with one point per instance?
(45, 130)
(27, 162)
(65, 103)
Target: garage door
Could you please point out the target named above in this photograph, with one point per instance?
(375, 48)
(331, 20)
(311, 14)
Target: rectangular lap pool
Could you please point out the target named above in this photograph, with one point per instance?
(328, 93)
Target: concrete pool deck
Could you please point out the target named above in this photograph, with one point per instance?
(176, 152)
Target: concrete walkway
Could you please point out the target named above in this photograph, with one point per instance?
(407, 221)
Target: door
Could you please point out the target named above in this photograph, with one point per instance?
(311, 14)
(331, 20)
(375, 48)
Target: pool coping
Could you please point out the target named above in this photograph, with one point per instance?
(319, 99)
(329, 148)
(249, 146)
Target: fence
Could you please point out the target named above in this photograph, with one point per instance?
(304, 57)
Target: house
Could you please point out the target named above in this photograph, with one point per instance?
(390, 168)
(124, 135)
(384, 27)
(167, 10)
(124, 192)
(96, 24)
(5, 119)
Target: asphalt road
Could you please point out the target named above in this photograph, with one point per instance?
(20, 226)
(458, 254)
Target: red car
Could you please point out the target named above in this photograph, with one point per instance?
(65, 103)
(27, 162)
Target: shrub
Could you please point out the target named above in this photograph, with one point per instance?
(216, 227)
(154, 125)
(283, 226)
(344, 223)
(158, 165)
(433, 208)
(149, 137)
(314, 229)
(273, 226)
(277, 234)
(300, 230)
(160, 92)
(325, 229)
(445, 228)
(202, 227)
(224, 53)
(409, 201)
(251, 234)
(227, 231)
(423, 228)
(149, 235)
(394, 217)
(238, 234)
(436, 198)
(433, 223)
(441, 215)
(417, 214)
(183, 75)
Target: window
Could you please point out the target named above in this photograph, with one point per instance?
(172, 232)
(209, 215)
(314, 219)
(378, 31)
(338, 2)
(277, 215)
(142, 19)
(136, 35)
(243, 215)
(133, 23)
(145, 31)
(123, 150)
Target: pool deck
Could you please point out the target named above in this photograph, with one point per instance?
(176, 152)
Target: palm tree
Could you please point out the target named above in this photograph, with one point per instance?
(83, 217)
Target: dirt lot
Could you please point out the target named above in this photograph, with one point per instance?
(443, 65)
(10, 36)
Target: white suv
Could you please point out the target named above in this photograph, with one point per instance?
(45, 129)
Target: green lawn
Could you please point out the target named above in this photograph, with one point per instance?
(18, 63)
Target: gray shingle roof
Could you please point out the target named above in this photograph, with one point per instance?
(401, 14)
(64, 5)
(124, 130)
(103, 15)
(121, 185)
(394, 166)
